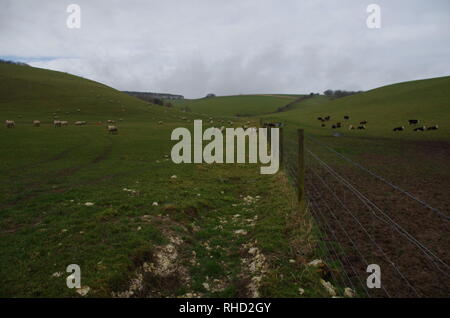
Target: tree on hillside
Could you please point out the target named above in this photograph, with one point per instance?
(328, 92)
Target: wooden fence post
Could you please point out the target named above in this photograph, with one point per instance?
(280, 147)
(301, 169)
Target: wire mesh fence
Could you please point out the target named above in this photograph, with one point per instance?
(363, 218)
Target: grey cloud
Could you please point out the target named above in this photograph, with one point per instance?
(194, 47)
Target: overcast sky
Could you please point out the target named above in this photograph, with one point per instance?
(195, 47)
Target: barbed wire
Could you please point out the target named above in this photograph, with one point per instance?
(291, 154)
(345, 232)
(368, 234)
(427, 252)
(344, 255)
(379, 177)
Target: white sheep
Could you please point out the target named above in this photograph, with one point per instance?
(36, 123)
(112, 129)
(57, 123)
(10, 123)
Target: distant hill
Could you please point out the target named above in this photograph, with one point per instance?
(239, 105)
(384, 108)
(151, 96)
(29, 90)
(12, 62)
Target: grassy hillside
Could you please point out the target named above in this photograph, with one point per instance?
(26, 91)
(243, 105)
(113, 203)
(384, 108)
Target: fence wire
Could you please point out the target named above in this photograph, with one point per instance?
(366, 219)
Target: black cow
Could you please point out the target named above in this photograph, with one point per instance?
(423, 128)
(364, 122)
(413, 121)
(346, 117)
(399, 128)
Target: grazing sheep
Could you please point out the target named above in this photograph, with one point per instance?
(112, 129)
(413, 121)
(64, 123)
(10, 123)
(80, 123)
(364, 122)
(399, 128)
(57, 123)
(435, 127)
(423, 128)
(109, 121)
(36, 123)
(346, 117)
(351, 127)
(361, 127)
(160, 122)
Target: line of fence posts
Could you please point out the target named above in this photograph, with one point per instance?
(301, 159)
(301, 169)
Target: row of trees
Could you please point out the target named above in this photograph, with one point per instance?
(149, 97)
(339, 93)
(12, 62)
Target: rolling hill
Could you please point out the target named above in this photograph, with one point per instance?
(241, 105)
(384, 108)
(27, 91)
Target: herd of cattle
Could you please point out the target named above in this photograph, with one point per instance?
(362, 124)
(112, 129)
(416, 122)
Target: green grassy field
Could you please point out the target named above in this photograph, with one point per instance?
(78, 195)
(51, 173)
(384, 108)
